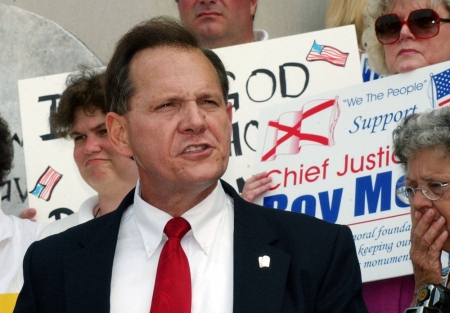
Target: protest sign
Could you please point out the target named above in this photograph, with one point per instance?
(330, 156)
(271, 72)
(260, 73)
(55, 186)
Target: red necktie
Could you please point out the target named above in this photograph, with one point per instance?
(172, 293)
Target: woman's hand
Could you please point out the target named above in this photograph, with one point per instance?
(427, 239)
(28, 213)
(256, 186)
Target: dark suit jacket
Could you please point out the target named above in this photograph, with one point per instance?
(313, 264)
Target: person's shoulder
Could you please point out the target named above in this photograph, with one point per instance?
(297, 221)
(87, 229)
(63, 240)
(77, 228)
(83, 215)
(296, 234)
(284, 222)
(59, 226)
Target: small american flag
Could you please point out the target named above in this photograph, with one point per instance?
(441, 82)
(46, 183)
(328, 54)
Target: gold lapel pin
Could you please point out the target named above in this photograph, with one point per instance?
(264, 261)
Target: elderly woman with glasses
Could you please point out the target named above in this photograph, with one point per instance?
(403, 35)
(422, 145)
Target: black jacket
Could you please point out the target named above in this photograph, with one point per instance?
(313, 264)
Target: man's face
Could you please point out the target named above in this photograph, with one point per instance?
(178, 128)
(219, 23)
(98, 162)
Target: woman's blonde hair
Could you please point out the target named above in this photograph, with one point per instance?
(346, 12)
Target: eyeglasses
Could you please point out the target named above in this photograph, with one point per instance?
(423, 24)
(432, 190)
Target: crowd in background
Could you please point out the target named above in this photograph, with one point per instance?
(396, 36)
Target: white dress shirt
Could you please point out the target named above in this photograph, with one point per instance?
(16, 235)
(260, 35)
(208, 247)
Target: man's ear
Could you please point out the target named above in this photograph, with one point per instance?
(253, 5)
(230, 115)
(118, 133)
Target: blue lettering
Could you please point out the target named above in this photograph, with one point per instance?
(276, 201)
(330, 213)
(368, 73)
(310, 205)
(356, 123)
(364, 190)
(353, 101)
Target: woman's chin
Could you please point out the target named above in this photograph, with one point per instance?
(407, 66)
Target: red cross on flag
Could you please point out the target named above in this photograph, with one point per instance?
(313, 125)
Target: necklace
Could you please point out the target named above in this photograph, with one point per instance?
(98, 211)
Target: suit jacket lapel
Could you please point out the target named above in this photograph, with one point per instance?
(87, 272)
(256, 289)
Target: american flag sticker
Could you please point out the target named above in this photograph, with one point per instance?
(46, 183)
(328, 54)
(441, 91)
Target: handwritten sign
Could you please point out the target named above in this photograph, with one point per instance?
(271, 72)
(260, 73)
(55, 186)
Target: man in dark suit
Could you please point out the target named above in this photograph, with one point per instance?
(168, 111)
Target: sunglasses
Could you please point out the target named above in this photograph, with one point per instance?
(423, 24)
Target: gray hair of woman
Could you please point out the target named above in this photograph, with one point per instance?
(427, 130)
(374, 49)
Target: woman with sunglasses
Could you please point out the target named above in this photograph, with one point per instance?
(404, 35)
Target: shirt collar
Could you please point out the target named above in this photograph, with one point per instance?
(260, 35)
(85, 212)
(204, 219)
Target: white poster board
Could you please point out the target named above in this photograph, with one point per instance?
(55, 186)
(272, 72)
(268, 72)
(330, 156)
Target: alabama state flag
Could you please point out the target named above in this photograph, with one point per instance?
(313, 125)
